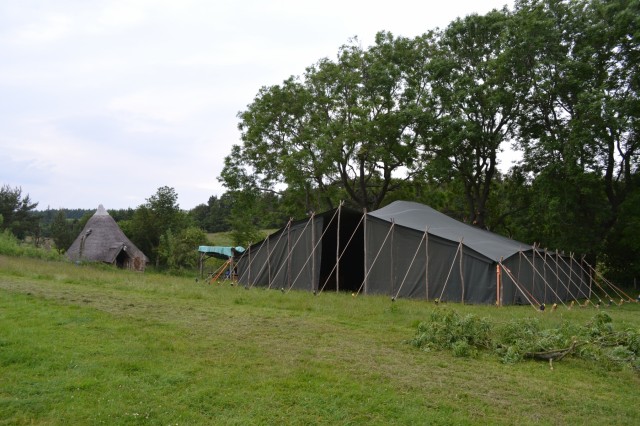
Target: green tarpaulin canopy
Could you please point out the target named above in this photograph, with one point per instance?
(220, 251)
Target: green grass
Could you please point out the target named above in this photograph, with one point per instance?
(86, 345)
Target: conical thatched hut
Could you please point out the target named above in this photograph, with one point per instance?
(102, 240)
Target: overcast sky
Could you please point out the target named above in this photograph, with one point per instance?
(103, 102)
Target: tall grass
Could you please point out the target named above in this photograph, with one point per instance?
(11, 246)
(85, 345)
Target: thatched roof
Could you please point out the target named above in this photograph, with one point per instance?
(102, 240)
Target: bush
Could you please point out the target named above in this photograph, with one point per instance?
(11, 246)
(446, 329)
(597, 341)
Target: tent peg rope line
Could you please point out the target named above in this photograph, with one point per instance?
(575, 299)
(268, 255)
(342, 253)
(313, 251)
(453, 262)
(410, 266)
(248, 254)
(535, 271)
(290, 250)
(524, 292)
(376, 258)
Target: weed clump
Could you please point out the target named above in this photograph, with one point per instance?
(446, 329)
(597, 341)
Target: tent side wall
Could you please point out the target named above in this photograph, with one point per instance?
(398, 259)
(382, 257)
(285, 259)
(543, 278)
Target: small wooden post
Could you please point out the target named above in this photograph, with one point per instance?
(461, 270)
(392, 276)
(289, 256)
(338, 249)
(426, 267)
(366, 276)
(201, 265)
(313, 251)
(498, 285)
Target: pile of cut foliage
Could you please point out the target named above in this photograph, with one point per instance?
(597, 341)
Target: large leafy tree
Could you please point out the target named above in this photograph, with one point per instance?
(159, 216)
(213, 216)
(479, 83)
(17, 212)
(346, 129)
(580, 130)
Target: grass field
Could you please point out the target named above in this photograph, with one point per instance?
(92, 345)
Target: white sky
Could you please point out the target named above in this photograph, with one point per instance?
(105, 101)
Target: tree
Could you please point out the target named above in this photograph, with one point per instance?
(479, 83)
(580, 130)
(158, 216)
(213, 216)
(62, 232)
(17, 212)
(179, 251)
(343, 131)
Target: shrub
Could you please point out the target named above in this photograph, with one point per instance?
(446, 329)
(597, 341)
(11, 246)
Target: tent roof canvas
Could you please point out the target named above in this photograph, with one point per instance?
(102, 240)
(420, 217)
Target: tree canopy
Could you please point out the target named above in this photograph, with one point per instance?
(16, 212)
(427, 118)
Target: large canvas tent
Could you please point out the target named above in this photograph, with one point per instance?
(407, 249)
(102, 240)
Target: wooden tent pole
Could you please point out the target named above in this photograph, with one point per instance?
(590, 277)
(344, 250)
(289, 257)
(315, 246)
(567, 286)
(571, 269)
(392, 275)
(338, 248)
(250, 263)
(426, 268)
(544, 273)
(522, 290)
(366, 254)
(499, 284)
(269, 252)
(544, 281)
(406, 274)
(313, 254)
(557, 269)
(461, 270)
(453, 262)
(375, 259)
(289, 249)
(533, 272)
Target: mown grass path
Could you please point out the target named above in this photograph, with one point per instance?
(86, 345)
